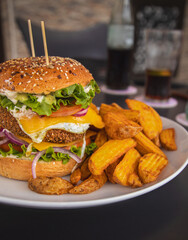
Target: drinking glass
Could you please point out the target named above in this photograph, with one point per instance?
(163, 49)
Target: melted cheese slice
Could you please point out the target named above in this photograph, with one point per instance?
(36, 127)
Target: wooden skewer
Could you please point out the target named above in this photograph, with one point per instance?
(44, 41)
(31, 38)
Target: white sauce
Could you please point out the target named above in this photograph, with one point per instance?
(87, 89)
(10, 95)
(39, 98)
(21, 112)
(14, 156)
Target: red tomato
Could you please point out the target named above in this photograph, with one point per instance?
(66, 111)
(79, 144)
(6, 148)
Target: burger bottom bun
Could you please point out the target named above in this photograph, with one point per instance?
(20, 169)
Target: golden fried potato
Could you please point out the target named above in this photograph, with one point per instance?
(145, 145)
(49, 185)
(167, 137)
(109, 153)
(110, 170)
(101, 138)
(118, 127)
(149, 118)
(134, 180)
(126, 167)
(156, 141)
(75, 176)
(116, 106)
(91, 184)
(150, 166)
(85, 173)
(129, 114)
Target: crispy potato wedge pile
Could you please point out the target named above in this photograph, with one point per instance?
(129, 152)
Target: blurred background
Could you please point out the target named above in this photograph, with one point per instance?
(78, 29)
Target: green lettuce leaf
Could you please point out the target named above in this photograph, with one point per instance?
(73, 94)
(76, 150)
(90, 148)
(49, 155)
(14, 152)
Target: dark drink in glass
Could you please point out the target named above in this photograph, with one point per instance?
(158, 83)
(119, 61)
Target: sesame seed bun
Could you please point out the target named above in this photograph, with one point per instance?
(32, 75)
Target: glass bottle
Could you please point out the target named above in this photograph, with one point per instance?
(120, 43)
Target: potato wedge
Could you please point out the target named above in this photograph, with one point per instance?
(91, 184)
(129, 114)
(85, 173)
(150, 166)
(167, 137)
(110, 170)
(116, 106)
(101, 138)
(75, 176)
(49, 185)
(109, 153)
(145, 145)
(118, 127)
(156, 141)
(149, 118)
(134, 180)
(127, 166)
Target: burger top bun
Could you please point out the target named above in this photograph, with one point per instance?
(32, 75)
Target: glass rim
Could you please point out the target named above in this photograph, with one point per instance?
(153, 30)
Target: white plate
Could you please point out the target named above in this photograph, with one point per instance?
(17, 193)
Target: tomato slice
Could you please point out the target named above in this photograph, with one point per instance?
(79, 144)
(66, 111)
(6, 148)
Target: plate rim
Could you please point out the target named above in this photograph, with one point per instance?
(97, 202)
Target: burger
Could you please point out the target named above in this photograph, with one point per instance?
(46, 115)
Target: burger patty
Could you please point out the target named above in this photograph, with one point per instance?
(54, 135)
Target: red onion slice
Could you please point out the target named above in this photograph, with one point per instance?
(3, 141)
(2, 134)
(14, 139)
(56, 149)
(72, 155)
(81, 113)
(34, 163)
